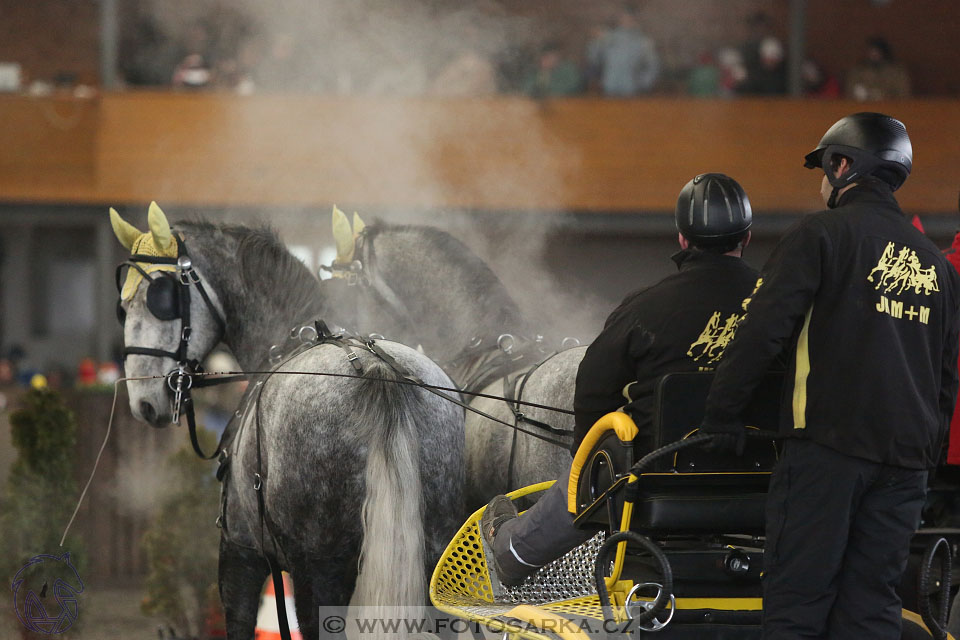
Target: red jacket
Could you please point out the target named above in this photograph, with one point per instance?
(953, 452)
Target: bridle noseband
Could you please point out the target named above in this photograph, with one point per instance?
(168, 298)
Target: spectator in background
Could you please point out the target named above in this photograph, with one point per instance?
(759, 28)
(769, 76)
(194, 71)
(281, 69)
(879, 76)
(703, 80)
(148, 56)
(733, 73)
(467, 74)
(626, 57)
(593, 71)
(817, 83)
(513, 65)
(555, 75)
(400, 74)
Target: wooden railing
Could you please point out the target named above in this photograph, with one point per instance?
(496, 154)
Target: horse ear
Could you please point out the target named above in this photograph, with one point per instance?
(342, 236)
(358, 225)
(159, 227)
(126, 233)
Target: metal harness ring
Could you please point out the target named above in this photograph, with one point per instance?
(181, 374)
(304, 334)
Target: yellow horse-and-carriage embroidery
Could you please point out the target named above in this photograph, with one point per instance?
(901, 270)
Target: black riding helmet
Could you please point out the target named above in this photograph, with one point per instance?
(713, 211)
(877, 145)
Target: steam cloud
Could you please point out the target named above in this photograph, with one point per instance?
(391, 48)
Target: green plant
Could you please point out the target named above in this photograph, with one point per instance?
(182, 543)
(40, 493)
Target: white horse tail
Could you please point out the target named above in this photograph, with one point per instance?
(391, 578)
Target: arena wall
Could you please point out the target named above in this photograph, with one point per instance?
(492, 154)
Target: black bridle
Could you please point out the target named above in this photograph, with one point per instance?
(168, 298)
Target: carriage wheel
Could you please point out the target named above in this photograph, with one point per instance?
(933, 587)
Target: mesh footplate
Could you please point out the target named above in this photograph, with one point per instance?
(461, 582)
(567, 577)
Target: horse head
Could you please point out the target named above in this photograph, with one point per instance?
(419, 285)
(171, 321)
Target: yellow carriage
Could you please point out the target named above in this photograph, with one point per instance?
(679, 550)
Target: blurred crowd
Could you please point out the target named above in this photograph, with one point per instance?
(17, 368)
(619, 60)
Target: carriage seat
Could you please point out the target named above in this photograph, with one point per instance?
(692, 491)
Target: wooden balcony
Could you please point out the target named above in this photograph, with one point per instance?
(490, 154)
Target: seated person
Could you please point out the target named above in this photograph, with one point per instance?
(682, 323)
(879, 76)
(554, 75)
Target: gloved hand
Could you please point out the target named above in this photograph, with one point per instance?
(729, 436)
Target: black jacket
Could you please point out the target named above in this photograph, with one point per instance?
(681, 323)
(868, 308)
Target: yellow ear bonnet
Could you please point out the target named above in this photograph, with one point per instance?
(144, 244)
(342, 237)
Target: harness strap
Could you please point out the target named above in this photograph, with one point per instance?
(259, 477)
(186, 329)
(147, 351)
(513, 400)
(211, 382)
(433, 388)
(501, 367)
(192, 428)
(508, 390)
(142, 257)
(515, 396)
(187, 403)
(391, 362)
(372, 346)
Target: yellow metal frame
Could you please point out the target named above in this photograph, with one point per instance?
(616, 421)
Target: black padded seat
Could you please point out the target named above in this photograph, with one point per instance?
(697, 491)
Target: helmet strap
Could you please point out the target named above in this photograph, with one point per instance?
(832, 201)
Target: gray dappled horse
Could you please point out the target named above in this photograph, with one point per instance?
(349, 466)
(421, 286)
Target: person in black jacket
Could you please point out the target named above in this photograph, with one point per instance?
(867, 308)
(682, 323)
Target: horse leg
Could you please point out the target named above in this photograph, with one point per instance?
(321, 596)
(303, 600)
(242, 572)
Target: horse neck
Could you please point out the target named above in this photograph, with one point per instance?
(258, 313)
(447, 303)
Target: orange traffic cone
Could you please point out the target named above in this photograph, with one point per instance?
(268, 625)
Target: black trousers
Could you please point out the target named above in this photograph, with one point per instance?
(838, 537)
(540, 535)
